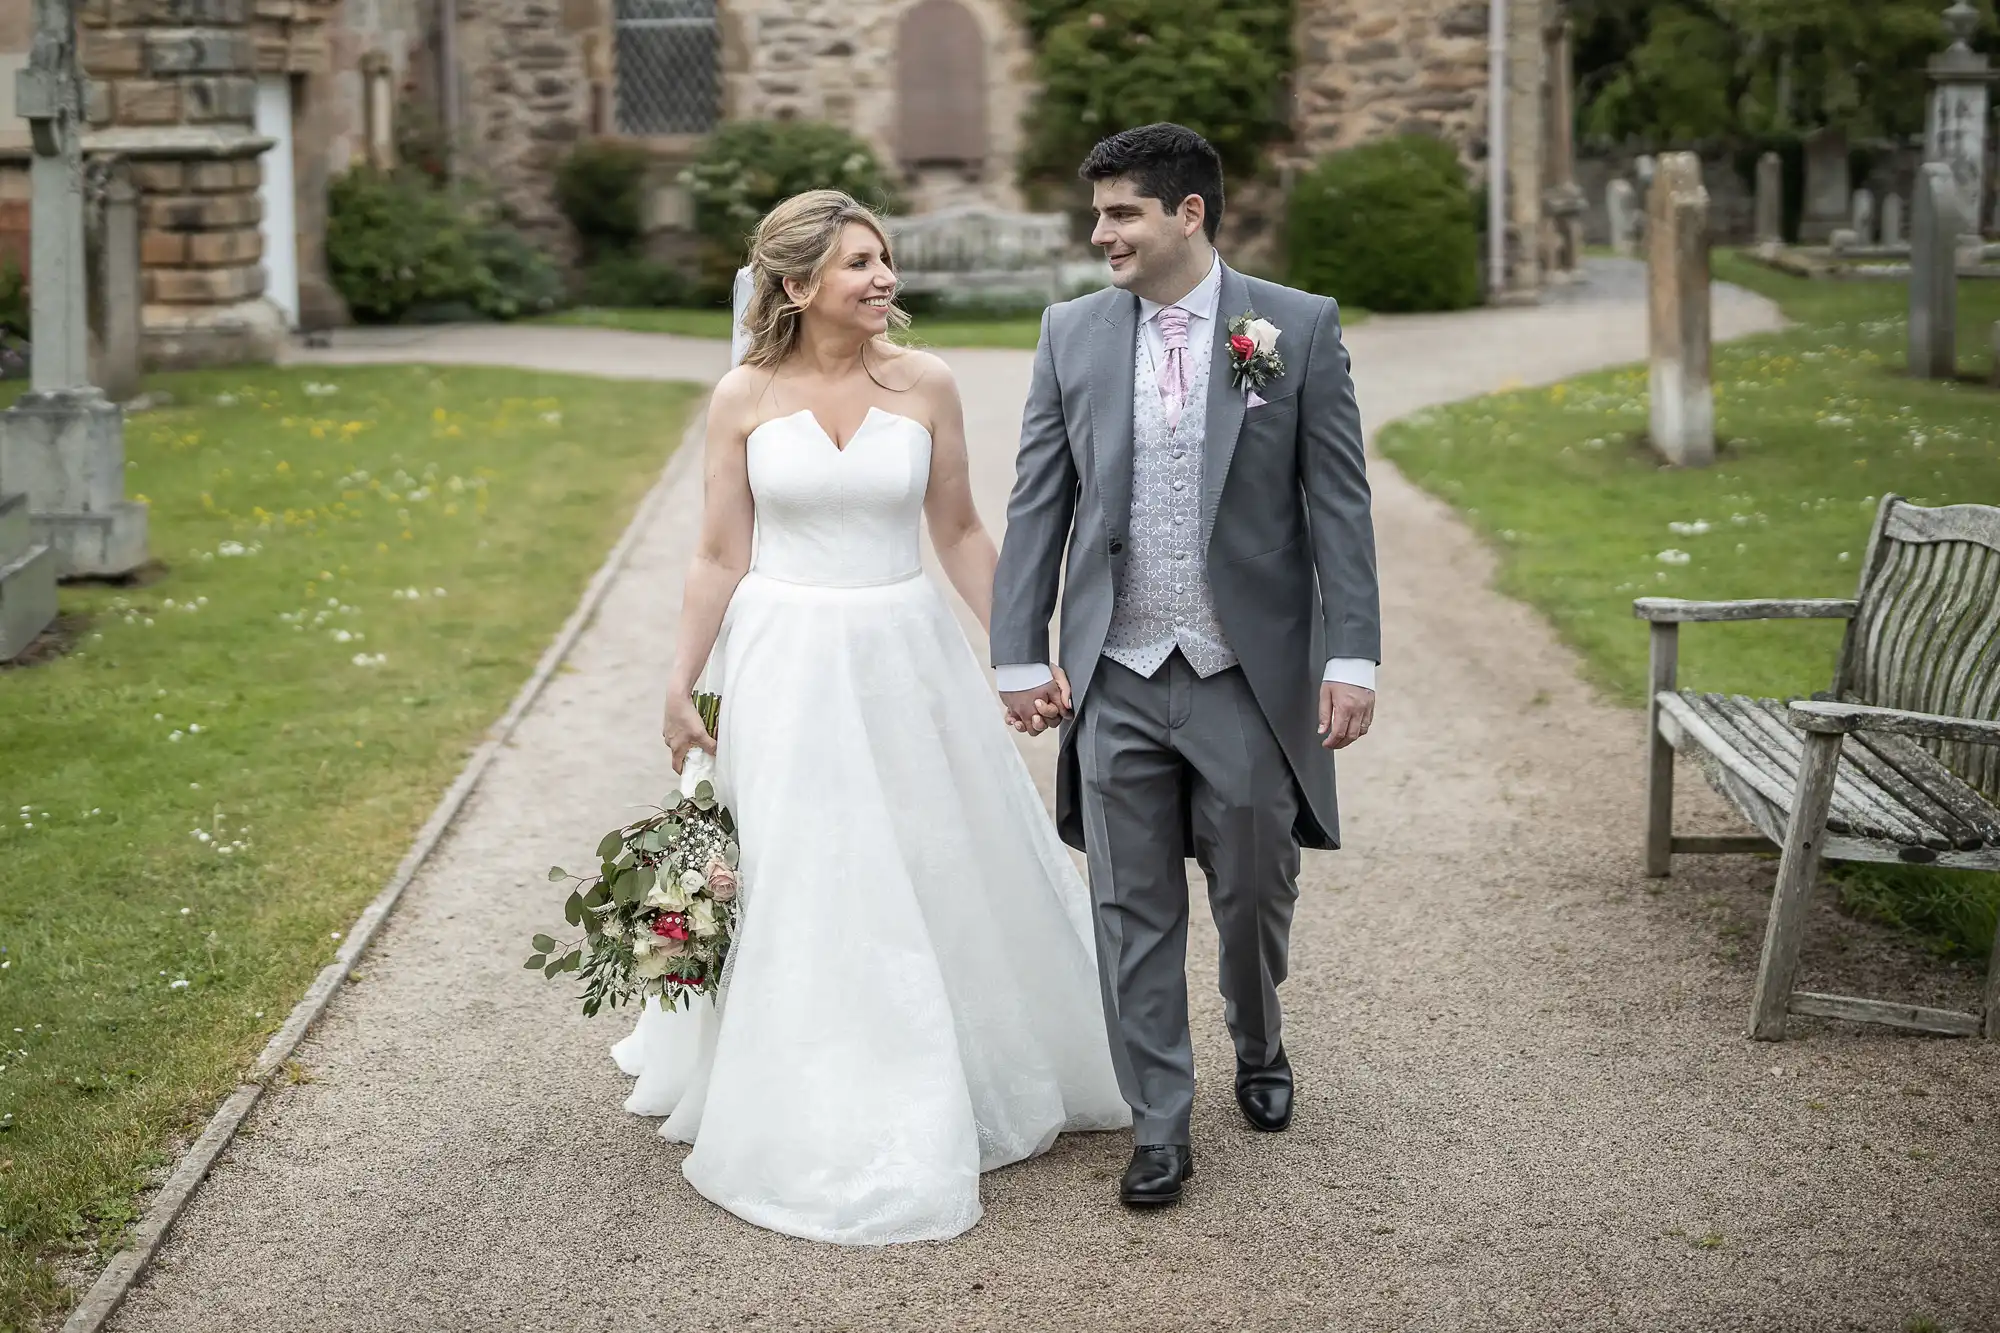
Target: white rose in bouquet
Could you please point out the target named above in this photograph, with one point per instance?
(702, 918)
(650, 965)
(667, 896)
(1263, 333)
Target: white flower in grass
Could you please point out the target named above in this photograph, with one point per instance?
(1673, 557)
(437, 592)
(314, 390)
(178, 983)
(1694, 529)
(342, 636)
(194, 728)
(174, 736)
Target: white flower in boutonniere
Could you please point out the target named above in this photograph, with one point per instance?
(1253, 352)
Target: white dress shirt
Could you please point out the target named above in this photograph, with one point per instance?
(1200, 305)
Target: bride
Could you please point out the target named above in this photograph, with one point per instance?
(913, 997)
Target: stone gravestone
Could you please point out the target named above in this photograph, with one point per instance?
(1955, 120)
(1683, 398)
(1937, 221)
(1861, 217)
(1620, 205)
(1827, 188)
(1770, 200)
(117, 297)
(1892, 220)
(64, 442)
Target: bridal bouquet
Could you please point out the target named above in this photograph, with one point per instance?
(658, 916)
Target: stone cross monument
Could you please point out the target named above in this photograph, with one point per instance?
(64, 442)
(1677, 273)
(1955, 124)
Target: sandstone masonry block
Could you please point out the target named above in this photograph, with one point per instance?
(199, 51)
(112, 52)
(162, 249)
(97, 102)
(215, 212)
(159, 177)
(212, 177)
(218, 249)
(204, 286)
(146, 102)
(213, 99)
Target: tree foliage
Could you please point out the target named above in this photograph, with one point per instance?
(1387, 225)
(1668, 71)
(1216, 66)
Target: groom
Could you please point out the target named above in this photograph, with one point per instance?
(1219, 617)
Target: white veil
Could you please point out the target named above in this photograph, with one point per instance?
(739, 336)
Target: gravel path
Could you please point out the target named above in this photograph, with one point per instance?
(1525, 1100)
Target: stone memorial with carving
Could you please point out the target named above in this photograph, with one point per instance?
(1935, 227)
(1828, 194)
(1955, 122)
(1892, 220)
(1621, 206)
(1770, 211)
(63, 442)
(1861, 217)
(1682, 394)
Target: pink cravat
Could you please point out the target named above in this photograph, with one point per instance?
(1174, 369)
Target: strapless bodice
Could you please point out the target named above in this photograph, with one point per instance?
(839, 517)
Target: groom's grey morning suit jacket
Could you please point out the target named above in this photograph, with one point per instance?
(1290, 548)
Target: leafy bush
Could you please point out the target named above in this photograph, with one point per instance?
(13, 297)
(1216, 66)
(396, 246)
(1386, 226)
(601, 189)
(749, 166)
(626, 281)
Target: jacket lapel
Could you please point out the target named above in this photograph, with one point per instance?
(1112, 356)
(1225, 402)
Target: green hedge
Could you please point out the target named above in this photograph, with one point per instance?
(1386, 226)
(747, 167)
(398, 246)
(601, 189)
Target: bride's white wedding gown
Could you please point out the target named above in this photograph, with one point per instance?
(914, 997)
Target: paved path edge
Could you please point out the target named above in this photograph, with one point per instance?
(126, 1266)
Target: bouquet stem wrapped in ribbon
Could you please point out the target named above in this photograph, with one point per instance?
(660, 913)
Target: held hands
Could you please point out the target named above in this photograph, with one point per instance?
(683, 729)
(1345, 714)
(1033, 712)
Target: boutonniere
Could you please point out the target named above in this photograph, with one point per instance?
(1253, 354)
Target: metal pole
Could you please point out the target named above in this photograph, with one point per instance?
(1496, 147)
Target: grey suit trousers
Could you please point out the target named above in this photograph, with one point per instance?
(1155, 751)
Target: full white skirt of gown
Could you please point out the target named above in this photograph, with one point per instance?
(914, 997)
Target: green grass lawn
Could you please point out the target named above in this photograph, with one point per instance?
(361, 566)
(1817, 423)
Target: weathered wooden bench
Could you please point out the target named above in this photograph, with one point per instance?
(1899, 762)
(979, 251)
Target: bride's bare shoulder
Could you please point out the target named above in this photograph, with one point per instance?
(922, 374)
(734, 400)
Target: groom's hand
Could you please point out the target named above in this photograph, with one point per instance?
(1345, 714)
(1035, 711)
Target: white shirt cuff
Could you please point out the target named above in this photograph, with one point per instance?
(1022, 676)
(1356, 671)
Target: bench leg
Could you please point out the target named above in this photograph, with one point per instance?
(1660, 755)
(1798, 867)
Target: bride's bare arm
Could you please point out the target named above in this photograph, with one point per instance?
(721, 556)
(963, 545)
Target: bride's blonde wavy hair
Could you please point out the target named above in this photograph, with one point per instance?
(797, 240)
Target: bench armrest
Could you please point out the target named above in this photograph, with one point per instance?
(1839, 718)
(1676, 610)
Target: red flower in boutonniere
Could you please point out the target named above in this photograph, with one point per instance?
(1253, 352)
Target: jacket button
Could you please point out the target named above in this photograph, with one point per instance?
(1117, 547)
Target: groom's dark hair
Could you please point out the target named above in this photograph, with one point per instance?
(1167, 162)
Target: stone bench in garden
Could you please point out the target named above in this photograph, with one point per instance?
(1899, 762)
(981, 252)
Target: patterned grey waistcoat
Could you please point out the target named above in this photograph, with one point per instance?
(1163, 599)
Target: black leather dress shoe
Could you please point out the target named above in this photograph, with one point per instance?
(1156, 1175)
(1266, 1094)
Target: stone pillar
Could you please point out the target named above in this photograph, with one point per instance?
(1935, 228)
(1827, 186)
(378, 101)
(1892, 220)
(1621, 207)
(63, 443)
(1861, 217)
(1770, 200)
(115, 315)
(1683, 399)
(1562, 199)
(1525, 76)
(1955, 123)
(174, 92)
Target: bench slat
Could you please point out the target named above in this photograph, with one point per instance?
(1845, 815)
(1923, 769)
(1867, 799)
(1948, 1022)
(1963, 835)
